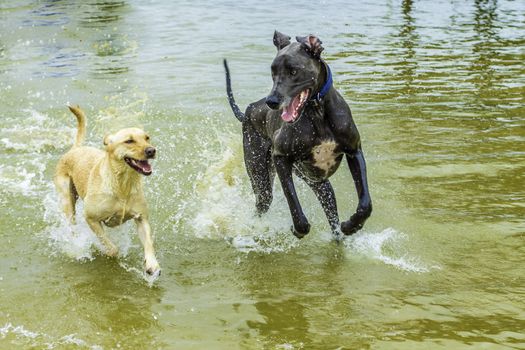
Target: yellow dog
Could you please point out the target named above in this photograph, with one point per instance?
(110, 184)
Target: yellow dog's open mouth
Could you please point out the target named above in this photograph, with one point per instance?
(294, 108)
(141, 166)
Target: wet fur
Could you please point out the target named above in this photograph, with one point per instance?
(311, 146)
(111, 190)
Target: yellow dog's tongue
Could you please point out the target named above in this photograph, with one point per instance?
(144, 165)
(289, 114)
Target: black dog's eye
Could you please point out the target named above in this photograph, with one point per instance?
(293, 72)
(129, 141)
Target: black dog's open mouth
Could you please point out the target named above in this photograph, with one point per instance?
(141, 166)
(294, 108)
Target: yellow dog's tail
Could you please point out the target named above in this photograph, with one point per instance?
(81, 124)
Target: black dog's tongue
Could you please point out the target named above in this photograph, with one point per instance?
(291, 112)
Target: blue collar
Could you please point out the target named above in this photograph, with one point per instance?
(327, 85)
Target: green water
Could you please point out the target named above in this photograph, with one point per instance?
(437, 89)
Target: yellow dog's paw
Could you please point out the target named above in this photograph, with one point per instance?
(112, 252)
(152, 267)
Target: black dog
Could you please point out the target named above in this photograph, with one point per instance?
(304, 126)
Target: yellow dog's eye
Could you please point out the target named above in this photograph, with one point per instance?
(147, 138)
(129, 141)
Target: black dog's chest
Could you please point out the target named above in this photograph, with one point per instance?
(314, 148)
(325, 156)
(322, 160)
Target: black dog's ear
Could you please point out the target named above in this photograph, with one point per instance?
(311, 44)
(280, 40)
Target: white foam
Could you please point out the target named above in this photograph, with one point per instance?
(287, 346)
(42, 340)
(17, 180)
(268, 242)
(26, 177)
(389, 247)
(36, 133)
(225, 207)
(149, 279)
(30, 138)
(78, 241)
(19, 330)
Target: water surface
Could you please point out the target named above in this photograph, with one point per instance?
(437, 90)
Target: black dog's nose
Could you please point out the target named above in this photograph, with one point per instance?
(273, 102)
(150, 152)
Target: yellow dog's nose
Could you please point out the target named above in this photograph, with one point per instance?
(150, 152)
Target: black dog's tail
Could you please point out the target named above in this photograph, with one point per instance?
(236, 110)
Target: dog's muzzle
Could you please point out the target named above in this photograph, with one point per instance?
(150, 152)
(273, 102)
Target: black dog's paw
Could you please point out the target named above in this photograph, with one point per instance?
(338, 234)
(351, 226)
(355, 223)
(301, 230)
(297, 234)
(357, 220)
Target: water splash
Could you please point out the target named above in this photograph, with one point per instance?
(389, 247)
(42, 340)
(36, 133)
(18, 180)
(123, 111)
(30, 140)
(225, 206)
(224, 209)
(149, 279)
(78, 241)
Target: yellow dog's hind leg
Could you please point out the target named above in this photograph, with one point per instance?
(68, 196)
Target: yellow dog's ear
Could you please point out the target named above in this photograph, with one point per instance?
(108, 139)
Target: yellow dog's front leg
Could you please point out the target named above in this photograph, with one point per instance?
(96, 226)
(151, 266)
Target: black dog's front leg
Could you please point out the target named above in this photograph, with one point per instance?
(325, 194)
(357, 165)
(283, 166)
